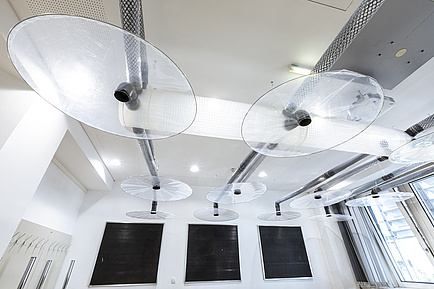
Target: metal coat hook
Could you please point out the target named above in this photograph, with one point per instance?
(63, 248)
(31, 243)
(12, 238)
(42, 246)
(16, 241)
(67, 248)
(51, 246)
(36, 246)
(24, 242)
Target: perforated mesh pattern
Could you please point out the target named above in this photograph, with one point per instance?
(131, 16)
(421, 126)
(132, 21)
(351, 29)
(85, 8)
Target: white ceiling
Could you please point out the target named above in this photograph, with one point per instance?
(230, 50)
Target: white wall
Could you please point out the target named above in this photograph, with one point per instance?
(330, 265)
(56, 202)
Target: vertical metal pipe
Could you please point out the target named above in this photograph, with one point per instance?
(132, 21)
(216, 209)
(154, 207)
(68, 275)
(44, 274)
(26, 273)
(146, 148)
(251, 169)
(247, 160)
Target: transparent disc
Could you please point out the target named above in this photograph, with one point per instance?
(419, 150)
(320, 199)
(391, 197)
(331, 218)
(76, 64)
(143, 187)
(236, 193)
(149, 216)
(340, 104)
(215, 215)
(284, 216)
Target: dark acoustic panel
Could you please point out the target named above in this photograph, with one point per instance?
(283, 252)
(129, 254)
(378, 50)
(212, 253)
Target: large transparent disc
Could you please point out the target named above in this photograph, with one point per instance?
(215, 214)
(284, 216)
(331, 218)
(320, 199)
(150, 215)
(376, 199)
(76, 64)
(313, 113)
(143, 187)
(419, 150)
(236, 193)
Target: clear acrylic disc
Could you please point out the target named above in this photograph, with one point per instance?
(331, 218)
(320, 199)
(418, 150)
(284, 216)
(76, 64)
(215, 214)
(143, 187)
(376, 199)
(150, 216)
(236, 193)
(340, 105)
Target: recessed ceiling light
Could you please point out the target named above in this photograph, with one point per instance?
(400, 52)
(115, 162)
(194, 168)
(294, 68)
(262, 174)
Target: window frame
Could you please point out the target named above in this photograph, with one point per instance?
(422, 228)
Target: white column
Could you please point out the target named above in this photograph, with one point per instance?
(24, 158)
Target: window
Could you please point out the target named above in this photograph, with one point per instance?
(424, 189)
(408, 257)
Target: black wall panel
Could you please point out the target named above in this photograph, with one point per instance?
(283, 252)
(212, 253)
(129, 254)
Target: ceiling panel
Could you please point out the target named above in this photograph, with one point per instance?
(396, 41)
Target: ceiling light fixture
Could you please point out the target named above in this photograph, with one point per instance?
(115, 162)
(294, 68)
(194, 168)
(262, 174)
